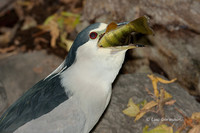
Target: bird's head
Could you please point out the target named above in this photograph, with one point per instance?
(87, 57)
(100, 48)
(101, 41)
(85, 46)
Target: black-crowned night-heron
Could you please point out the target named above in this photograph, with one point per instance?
(73, 97)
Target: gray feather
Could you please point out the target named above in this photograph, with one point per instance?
(37, 101)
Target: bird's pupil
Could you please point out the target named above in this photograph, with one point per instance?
(93, 35)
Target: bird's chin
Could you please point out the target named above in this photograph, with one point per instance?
(124, 47)
(119, 48)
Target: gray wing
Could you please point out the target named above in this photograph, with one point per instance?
(65, 118)
(37, 101)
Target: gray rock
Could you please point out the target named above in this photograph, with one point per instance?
(172, 14)
(4, 3)
(21, 71)
(133, 86)
(177, 53)
(3, 98)
(110, 10)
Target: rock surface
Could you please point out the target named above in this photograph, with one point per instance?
(178, 57)
(173, 14)
(21, 71)
(133, 86)
(3, 98)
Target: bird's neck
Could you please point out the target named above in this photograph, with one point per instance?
(103, 69)
(90, 81)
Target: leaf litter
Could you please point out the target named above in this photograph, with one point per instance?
(161, 98)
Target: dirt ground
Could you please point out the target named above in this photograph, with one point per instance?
(14, 14)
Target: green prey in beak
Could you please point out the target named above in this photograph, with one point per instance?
(118, 37)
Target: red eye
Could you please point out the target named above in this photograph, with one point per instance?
(93, 35)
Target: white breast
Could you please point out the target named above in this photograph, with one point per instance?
(90, 79)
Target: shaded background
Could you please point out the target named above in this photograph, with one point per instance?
(35, 36)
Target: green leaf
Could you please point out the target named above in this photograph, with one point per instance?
(159, 129)
(50, 18)
(132, 109)
(141, 104)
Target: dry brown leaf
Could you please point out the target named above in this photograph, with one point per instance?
(145, 109)
(196, 116)
(29, 22)
(167, 95)
(154, 83)
(7, 49)
(165, 81)
(149, 105)
(37, 40)
(140, 114)
(54, 32)
(195, 129)
(7, 35)
(171, 102)
(28, 4)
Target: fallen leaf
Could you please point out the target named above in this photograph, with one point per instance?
(144, 110)
(39, 40)
(60, 24)
(167, 95)
(69, 44)
(159, 129)
(65, 43)
(70, 20)
(196, 116)
(7, 49)
(171, 102)
(54, 32)
(29, 22)
(28, 4)
(195, 129)
(154, 83)
(141, 104)
(149, 105)
(132, 109)
(166, 81)
(7, 34)
(49, 19)
(140, 114)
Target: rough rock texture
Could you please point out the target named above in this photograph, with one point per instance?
(5, 3)
(133, 86)
(178, 55)
(3, 98)
(174, 50)
(110, 10)
(21, 71)
(173, 14)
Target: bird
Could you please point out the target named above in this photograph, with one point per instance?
(74, 96)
